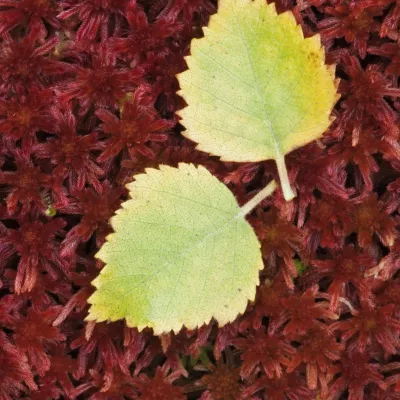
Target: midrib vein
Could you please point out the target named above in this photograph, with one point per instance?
(278, 152)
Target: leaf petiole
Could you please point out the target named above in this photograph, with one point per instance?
(288, 192)
(258, 198)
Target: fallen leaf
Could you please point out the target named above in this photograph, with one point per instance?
(181, 253)
(255, 88)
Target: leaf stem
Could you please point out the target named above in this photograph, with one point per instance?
(288, 193)
(258, 198)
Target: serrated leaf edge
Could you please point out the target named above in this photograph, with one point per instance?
(102, 316)
(290, 18)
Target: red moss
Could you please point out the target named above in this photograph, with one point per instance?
(363, 98)
(313, 170)
(34, 333)
(361, 154)
(290, 386)
(71, 154)
(34, 243)
(190, 9)
(78, 301)
(95, 16)
(100, 83)
(304, 313)
(221, 383)
(31, 14)
(121, 386)
(88, 99)
(346, 267)
(26, 64)
(280, 239)
(369, 218)
(96, 207)
(353, 22)
(389, 264)
(62, 368)
(46, 391)
(325, 226)
(356, 372)
(43, 293)
(145, 36)
(268, 304)
(139, 125)
(392, 197)
(391, 52)
(159, 387)
(318, 349)
(100, 345)
(392, 19)
(23, 116)
(268, 351)
(26, 185)
(371, 325)
(15, 372)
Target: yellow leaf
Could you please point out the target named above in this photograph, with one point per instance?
(255, 88)
(181, 253)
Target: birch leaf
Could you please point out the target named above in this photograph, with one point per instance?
(255, 88)
(181, 253)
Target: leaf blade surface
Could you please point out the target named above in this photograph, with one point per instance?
(181, 253)
(255, 88)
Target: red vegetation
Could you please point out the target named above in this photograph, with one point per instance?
(87, 98)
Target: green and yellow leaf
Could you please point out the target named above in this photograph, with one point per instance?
(255, 88)
(181, 253)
